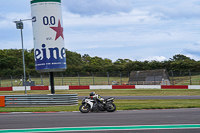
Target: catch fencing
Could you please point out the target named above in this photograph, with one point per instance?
(107, 78)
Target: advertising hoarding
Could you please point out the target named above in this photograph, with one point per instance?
(48, 36)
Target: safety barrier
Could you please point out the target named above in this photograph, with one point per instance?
(147, 86)
(123, 87)
(193, 86)
(174, 86)
(101, 87)
(39, 88)
(2, 101)
(79, 87)
(38, 100)
(6, 89)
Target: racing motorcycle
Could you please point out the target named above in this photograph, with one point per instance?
(89, 105)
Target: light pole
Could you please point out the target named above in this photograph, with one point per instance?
(108, 77)
(19, 25)
(172, 77)
(120, 74)
(11, 80)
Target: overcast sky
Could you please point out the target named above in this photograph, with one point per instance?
(128, 29)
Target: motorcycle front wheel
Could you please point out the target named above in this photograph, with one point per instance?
(111, 107)
(84, 108)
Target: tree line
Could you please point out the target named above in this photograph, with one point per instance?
(11, 63)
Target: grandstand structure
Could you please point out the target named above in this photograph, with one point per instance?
(149, 77)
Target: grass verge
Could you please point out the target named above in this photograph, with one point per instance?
(121, 105)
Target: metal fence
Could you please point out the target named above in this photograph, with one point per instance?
(40, 100)
(89, 78)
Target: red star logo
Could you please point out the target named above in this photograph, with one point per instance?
(59, 30)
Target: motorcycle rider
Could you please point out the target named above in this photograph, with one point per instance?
(97, 97)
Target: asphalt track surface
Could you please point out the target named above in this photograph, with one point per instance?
(165, 118)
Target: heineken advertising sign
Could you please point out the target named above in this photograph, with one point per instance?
(48, 36)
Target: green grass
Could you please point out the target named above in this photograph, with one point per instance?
(185, 80)
(121, 105)
(157, 104)
(39, 109)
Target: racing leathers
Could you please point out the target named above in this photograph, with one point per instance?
(99, 98)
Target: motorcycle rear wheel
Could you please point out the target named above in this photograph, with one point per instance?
(111, 107)
(84, 109)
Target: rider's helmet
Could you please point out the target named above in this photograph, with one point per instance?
(92, 93)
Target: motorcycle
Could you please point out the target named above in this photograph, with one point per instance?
(89, 105)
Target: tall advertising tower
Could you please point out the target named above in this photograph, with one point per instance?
(48, 36)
